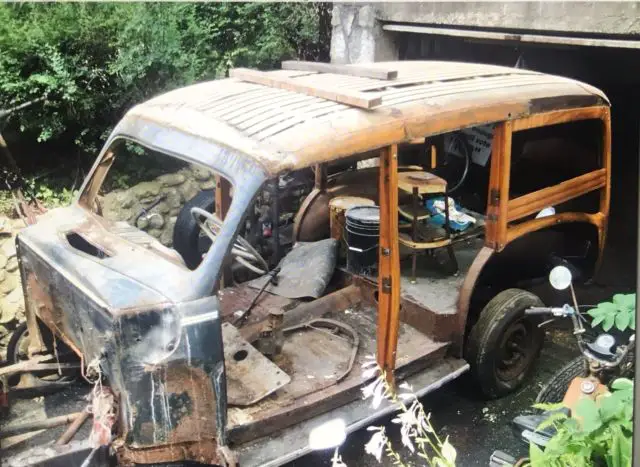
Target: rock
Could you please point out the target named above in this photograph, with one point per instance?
(162, 208)
(189, 189)
(12, 264)
(9, 283)
(12, 306)
(174, 211)
(146, 190)
(8, 247)
(155, 233)
(171, 179)
(126, 199)
(3, 261)
(208, 185)
(142, 223)
(167, 237)
(156, 221)
(174, 199)
(200, 173)
(3, 274)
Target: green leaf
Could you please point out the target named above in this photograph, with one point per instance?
(599, 319)
(632, 320)
(622, 320)
(551, 419)
(622, 383)
(587, 412)
(608, 322)
(596, 312)
(548, 406)
(536, 456)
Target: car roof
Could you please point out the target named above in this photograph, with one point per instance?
(284, 130)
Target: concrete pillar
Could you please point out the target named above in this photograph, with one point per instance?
(357, 35)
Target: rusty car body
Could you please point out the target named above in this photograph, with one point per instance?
(164, 335)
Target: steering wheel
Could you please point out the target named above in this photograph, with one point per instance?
(452, 162)
(242, 250)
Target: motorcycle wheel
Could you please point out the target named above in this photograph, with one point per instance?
(557, 386)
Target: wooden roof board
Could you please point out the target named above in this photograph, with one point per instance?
(309, 130)
(352, 70)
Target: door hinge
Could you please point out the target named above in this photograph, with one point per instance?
(386, 285)
(494, 197)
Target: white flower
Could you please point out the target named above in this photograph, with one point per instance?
(376, 390)
(369, 361)
(449, 452)
(376, 443)
(368, 373)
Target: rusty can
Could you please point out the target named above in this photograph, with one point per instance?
(337, 207)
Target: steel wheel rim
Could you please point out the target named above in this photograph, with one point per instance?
(517, 350)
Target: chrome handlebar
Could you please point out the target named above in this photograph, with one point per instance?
(567, 311)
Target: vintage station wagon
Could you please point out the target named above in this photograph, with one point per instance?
(440, 192)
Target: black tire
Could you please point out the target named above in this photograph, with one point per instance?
(557, 386)
(186, 234)
(14, 356)
(504, 343)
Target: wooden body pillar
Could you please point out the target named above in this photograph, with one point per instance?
(389, 263)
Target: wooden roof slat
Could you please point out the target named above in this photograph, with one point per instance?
(360, 71)
(355, 99)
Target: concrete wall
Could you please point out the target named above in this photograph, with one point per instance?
(611, 18)
(358, 37)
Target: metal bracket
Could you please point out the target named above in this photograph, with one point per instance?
(385, 251)
(386, 285)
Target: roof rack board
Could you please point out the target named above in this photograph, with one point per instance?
(352, 98)
(360, 71)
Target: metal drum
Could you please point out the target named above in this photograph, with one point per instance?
(337, 207)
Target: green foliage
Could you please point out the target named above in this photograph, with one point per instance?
(93, 61)
(598, 434)
(621, 313)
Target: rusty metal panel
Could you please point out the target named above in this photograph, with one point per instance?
(250, 375)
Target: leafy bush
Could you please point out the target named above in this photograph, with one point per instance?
(599, 433)
(95, 60)
(621, 312)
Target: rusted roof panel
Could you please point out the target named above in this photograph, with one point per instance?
(284, 130)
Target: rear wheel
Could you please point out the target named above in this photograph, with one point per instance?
(18, 351)
(557, 386)
(504, 343)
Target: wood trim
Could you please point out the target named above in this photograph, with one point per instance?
(605, 194)
(519, 230)
(560, 116)
(352, 98)
(498, 196)
(351, 70)
(388, 264)
(533, 202)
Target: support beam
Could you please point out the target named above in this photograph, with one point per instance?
(352, 98)
(389, 263)
(351, 70)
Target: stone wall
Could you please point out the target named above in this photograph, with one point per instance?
(175, 189)
(11, 296)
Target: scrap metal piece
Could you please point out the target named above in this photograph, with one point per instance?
(250, 375)
(295, 279)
